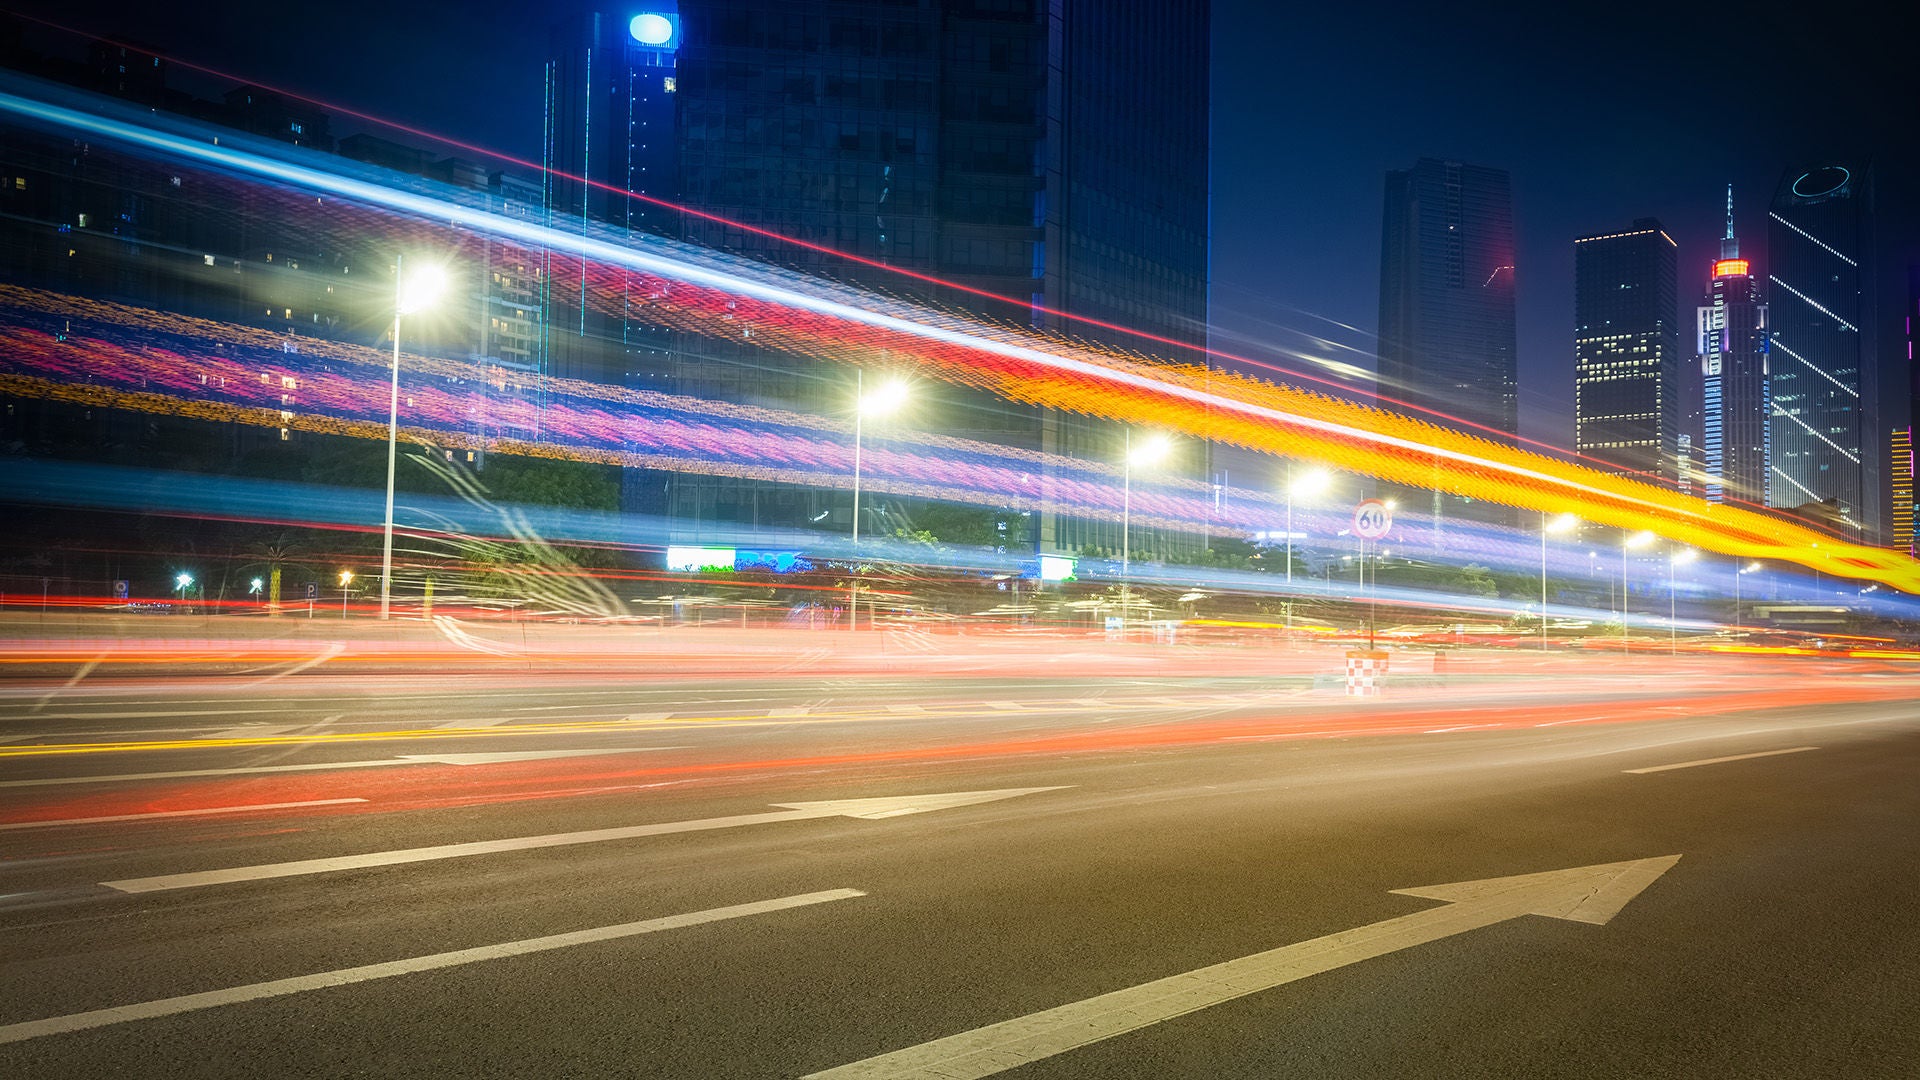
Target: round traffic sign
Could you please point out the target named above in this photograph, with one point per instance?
(1372, 519)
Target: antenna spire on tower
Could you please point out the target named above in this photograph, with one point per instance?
(1729, 247)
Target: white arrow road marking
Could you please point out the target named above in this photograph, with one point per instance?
(322, 766)
(147, 1010)
(1719, 760)
(1591, 894)
(871, 809)
(177, 813)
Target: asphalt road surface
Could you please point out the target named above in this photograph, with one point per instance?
(1164, 875)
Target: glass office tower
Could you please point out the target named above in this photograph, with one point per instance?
(1825, 384)
(1626, 394)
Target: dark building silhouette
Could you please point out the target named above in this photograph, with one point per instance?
(1052, 151)
(1627, 366)
(1446, 292)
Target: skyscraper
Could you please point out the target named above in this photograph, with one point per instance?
(1825, 376)
(1901, 474)
(1446, 292)
(609, 134)
(1054, 151)
(1730, 333)
(1626, 398)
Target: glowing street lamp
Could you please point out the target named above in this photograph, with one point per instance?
(1150, 452)
(182, 582)
(346, 579)
(415, 291)
(1560, 524)
(255, 586)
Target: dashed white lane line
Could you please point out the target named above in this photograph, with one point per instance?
(254, 731)
(1462, 727)
(908, 710)
(146, 1010)
(792, 710)
(1720, 760)
(1575, 720)
(474, 722)
(177, 813)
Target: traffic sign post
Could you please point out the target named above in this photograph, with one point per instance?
(1372, 520)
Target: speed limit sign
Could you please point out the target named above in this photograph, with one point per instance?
(1372, 519)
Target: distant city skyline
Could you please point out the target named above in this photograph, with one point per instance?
(1311, 108)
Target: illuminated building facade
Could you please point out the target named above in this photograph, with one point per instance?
(1447, 340)
(1825, 382)
(1900, 477)
(1627, 366)
(1900, 474)
(1730, 335)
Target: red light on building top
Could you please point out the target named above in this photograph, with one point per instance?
(1730, 268)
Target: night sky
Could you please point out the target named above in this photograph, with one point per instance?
(1602, 115)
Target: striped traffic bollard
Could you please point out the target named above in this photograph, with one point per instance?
(1366, 672)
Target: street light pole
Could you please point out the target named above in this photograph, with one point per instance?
(1126, 525)
(1543, 581)
(393, 431)
(1559, 524)
(1311, 484)
(884, 400)
(1674, 559)
(1148, 453)
(410, 295)
(859, 411)
(1639, 539)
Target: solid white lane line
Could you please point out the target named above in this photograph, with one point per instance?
(147, 1010)
(1718, 760)
(869, 809)
(177, 813)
